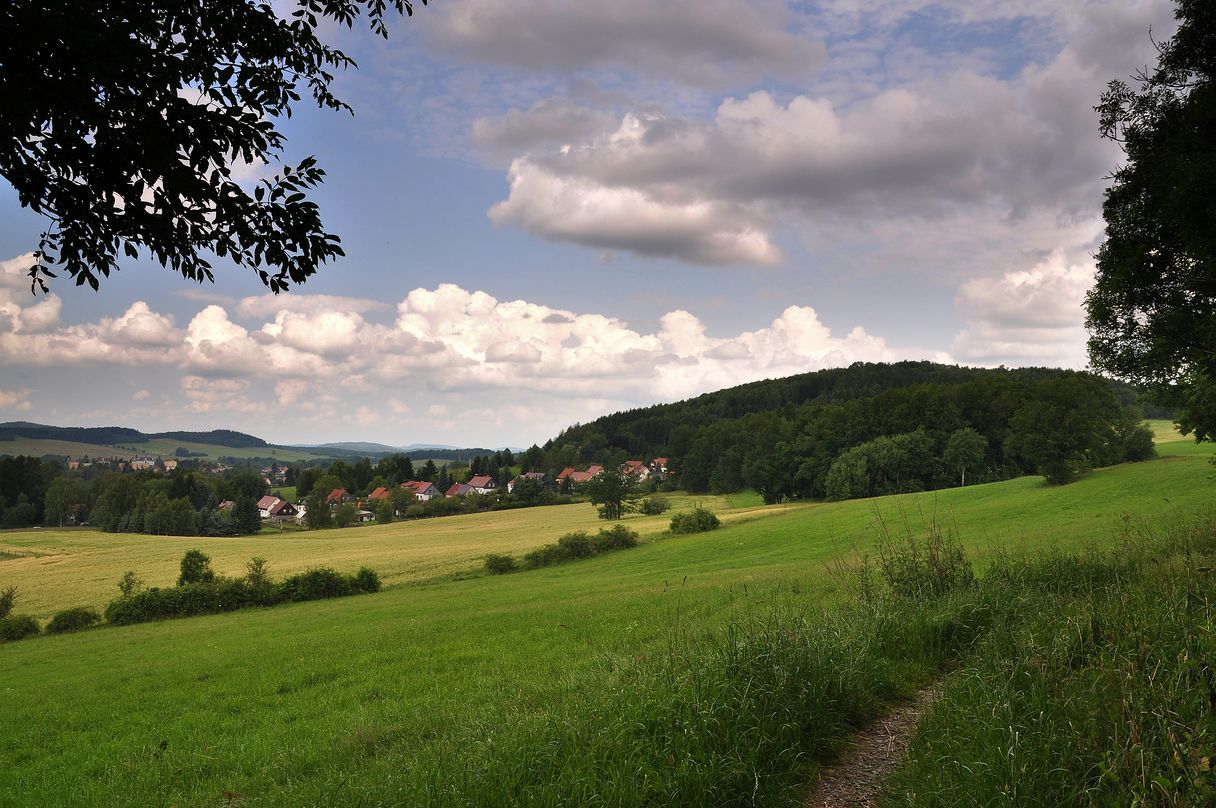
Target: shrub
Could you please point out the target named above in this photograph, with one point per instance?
(617, 537)
(7, 598)
(500, 563)
(73, 619)
(698, 520)
(129, 583)
(576, 545)
(655, 505)
(195, 568)
(366, 580)
(543, 557)
(315, 584)
(17, 626)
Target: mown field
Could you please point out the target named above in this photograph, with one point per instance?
(55, 569)
(377, 699)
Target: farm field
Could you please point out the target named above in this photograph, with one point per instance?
(55, 569)
(355, 701)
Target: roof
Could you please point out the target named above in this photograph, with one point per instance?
(660, 461)
(380, 493)
(267, 501)
(634, 466)
(336, 495)
(418, 486)
(226, 504)
(282, 507)
(482, 481)
(532, 475)
(458, 489)
(566, 472)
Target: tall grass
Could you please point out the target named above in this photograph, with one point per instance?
(1102, 692)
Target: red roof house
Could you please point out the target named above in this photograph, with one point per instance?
(421, 490)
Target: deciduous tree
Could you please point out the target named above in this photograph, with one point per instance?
(1152, 311)
(121, 123)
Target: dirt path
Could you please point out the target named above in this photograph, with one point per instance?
(870, 757)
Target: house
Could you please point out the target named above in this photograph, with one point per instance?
(458, 490)
(365, 516)
(564, 473)
(659, 464)
(337, 497)
(531, 476)
(170, 464)
(380, 493)
(636, 469)
(421, 490)
(580, 477)
(73, 465)
(142, 463)
(282, 510)
(483, 484)
(226, 505)
(265, 504)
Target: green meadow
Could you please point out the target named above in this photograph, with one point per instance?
(391, 698)
(163, 447)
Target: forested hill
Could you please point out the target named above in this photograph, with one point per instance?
(648, 430)
(111, 435)
(783, 436)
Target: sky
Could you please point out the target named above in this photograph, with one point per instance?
(553, 210)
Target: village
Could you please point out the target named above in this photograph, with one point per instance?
(275, 510)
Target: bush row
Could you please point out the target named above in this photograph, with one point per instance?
(228, 594)
(570, 547)
(199, 591)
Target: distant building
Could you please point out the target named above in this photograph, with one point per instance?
(458, 490)
(337, 497)
(483, 484)
(636, 469)
(580, 477)
(422, 490)
(531, 476)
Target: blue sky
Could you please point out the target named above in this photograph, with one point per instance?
(552, 210)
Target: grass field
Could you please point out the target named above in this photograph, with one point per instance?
(55, 569)
(357, 701)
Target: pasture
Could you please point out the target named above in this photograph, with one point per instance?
(376, 699)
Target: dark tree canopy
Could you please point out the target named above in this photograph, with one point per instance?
(120, 121)
(1152, 313)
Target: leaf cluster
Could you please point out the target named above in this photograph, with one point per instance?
(122, 122)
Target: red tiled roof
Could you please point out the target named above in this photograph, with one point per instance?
(267, 501)
(482, 481)
(458, 489)
(566, 472)
(336, 495)
(380, 493)
(417, 486)
(660, 461)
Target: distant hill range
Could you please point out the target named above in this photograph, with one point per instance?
(108, 435)
(101, 437)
